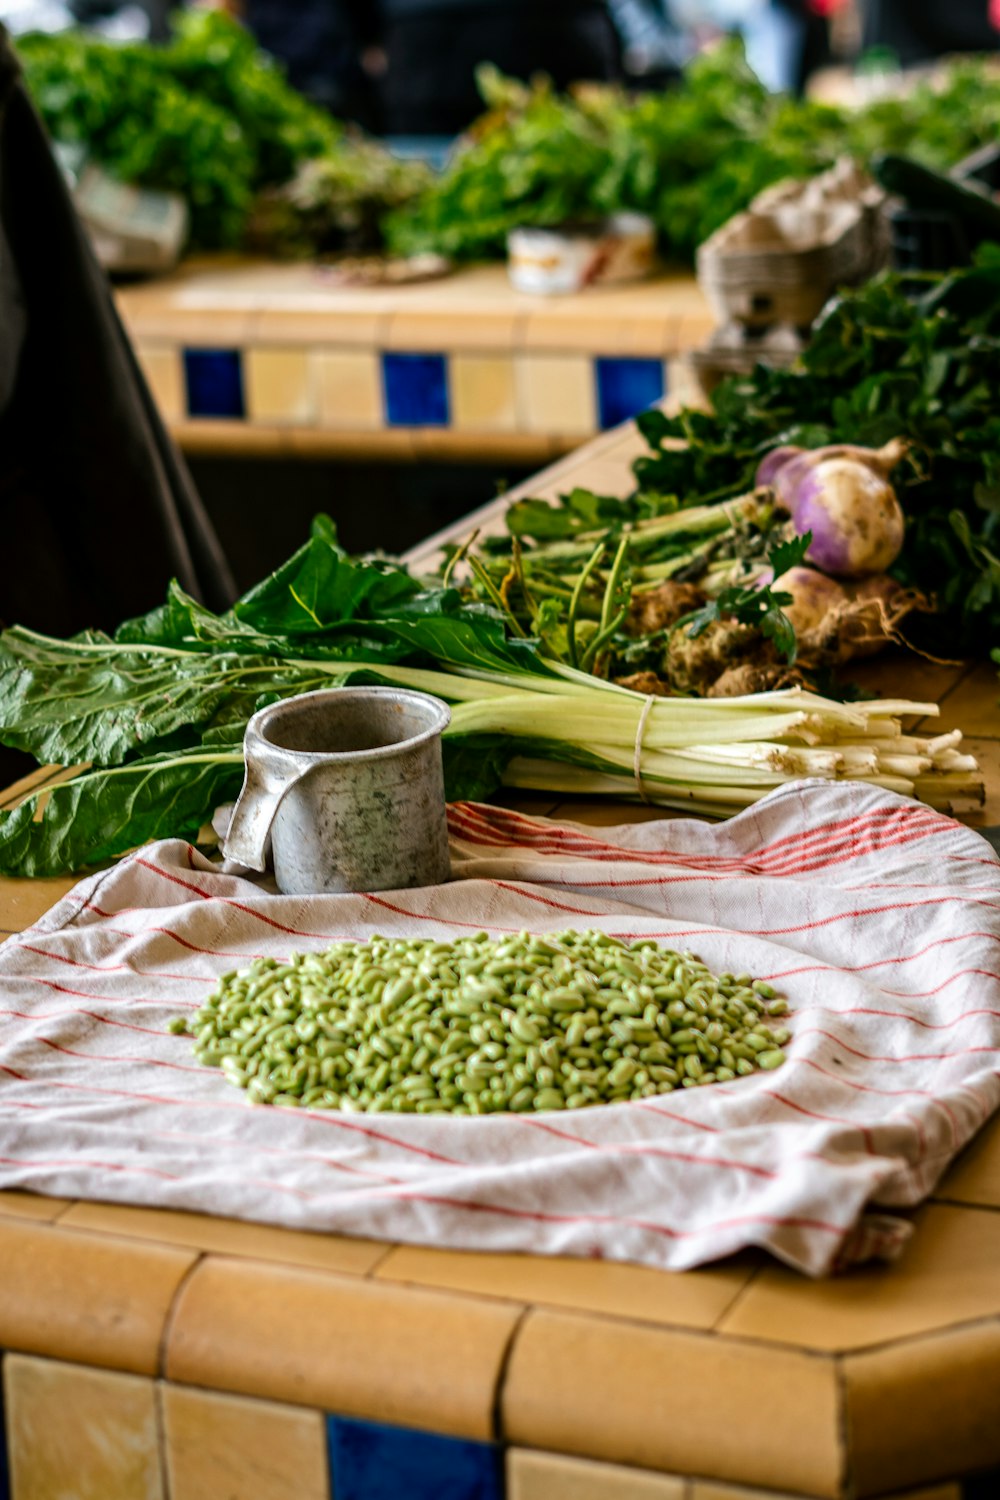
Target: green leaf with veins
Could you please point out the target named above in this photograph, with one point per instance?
(104, 813)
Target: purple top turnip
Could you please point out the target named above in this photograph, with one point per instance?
(843, 496)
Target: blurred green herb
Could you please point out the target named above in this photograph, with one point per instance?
(689, 156)
(209, 115)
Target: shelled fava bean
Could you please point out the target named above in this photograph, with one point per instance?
(478, 1026)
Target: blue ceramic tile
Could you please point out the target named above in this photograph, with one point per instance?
(416, 390)
(371, 1462)
(214, 379)
(627, 386)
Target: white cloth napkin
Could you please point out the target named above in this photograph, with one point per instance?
(877, 918)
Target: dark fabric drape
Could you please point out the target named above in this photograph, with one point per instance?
(97, 508)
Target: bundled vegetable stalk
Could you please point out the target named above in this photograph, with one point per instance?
(158, 712)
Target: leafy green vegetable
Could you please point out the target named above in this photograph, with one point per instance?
(209, 116)
(215, 58)
(904, 356)
(533, 158)
(337, 201)
(101, 814)
(690, 156)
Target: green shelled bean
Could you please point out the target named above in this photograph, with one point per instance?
(530, 1022)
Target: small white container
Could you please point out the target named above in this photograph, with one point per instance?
(550, 262)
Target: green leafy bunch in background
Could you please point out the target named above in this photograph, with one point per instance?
(690, 156)
(532, 158)
(209, 116)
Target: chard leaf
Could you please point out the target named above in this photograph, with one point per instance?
(102, 814)
(474, 764)
(320, 586)
(73, 701)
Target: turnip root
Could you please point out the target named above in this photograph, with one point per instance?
(814, 596)
(843, 496)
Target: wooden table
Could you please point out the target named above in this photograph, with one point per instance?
(154, 1354)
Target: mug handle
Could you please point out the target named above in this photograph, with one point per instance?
(250, 827)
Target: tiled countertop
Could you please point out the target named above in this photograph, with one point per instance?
(262, 358)
(154, 1354)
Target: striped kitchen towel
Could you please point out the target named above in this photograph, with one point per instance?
(877, 918)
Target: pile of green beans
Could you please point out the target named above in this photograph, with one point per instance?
(481, 1026)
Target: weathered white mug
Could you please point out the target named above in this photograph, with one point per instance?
(348, 785)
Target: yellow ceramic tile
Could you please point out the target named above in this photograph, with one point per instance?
(975, 1177)
(923, 1410)
(550, 1476)
(361, 1348)
(168, 321)
(441, 330)
(86, 1297)
(325, 1252)
(78, 1434)
(589, 324)
(350, 388)
(358, 324)
(229, 1448)
(555, 393)
(694, 1300)
(694, 329)
(161, 365)
(482, 393)
(279, 385)
(680, 1402)
(16, 1205)
(949, 1273)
